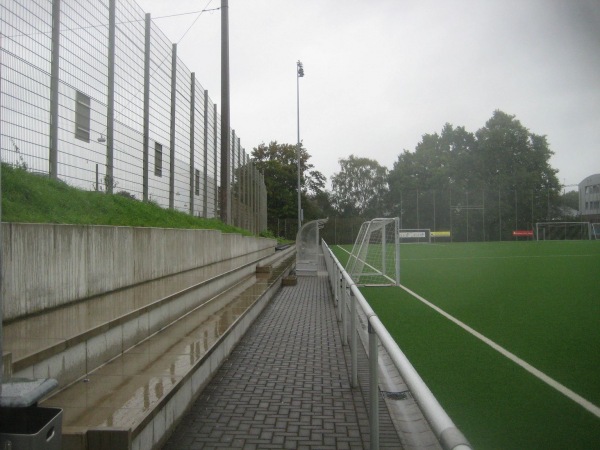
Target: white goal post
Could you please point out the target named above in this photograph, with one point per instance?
(552, 231)
(596, 231)
(375, 257)
(421, 235)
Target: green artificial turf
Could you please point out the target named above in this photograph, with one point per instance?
(539, 300)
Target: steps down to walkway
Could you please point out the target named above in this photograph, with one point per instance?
(129, 363)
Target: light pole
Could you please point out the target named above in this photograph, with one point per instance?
(299, 73)
(225, 117)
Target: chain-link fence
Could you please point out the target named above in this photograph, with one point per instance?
(452, 215)
(475, 215)
(93, 93)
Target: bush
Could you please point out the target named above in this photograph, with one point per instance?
(126, 195)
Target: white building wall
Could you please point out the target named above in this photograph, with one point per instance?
(589, 195)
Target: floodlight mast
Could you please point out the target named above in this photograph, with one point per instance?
(299, 74)
(1, 241)
(225, 196)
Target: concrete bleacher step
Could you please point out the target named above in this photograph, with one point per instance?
(130, 363)
(67, 342)
(134, 400)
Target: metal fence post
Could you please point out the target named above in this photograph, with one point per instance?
(373, 388)
(193, 144)
(205, 159)
(334, 287)
(338, 284)
(353, 339)
(344, 306)
(54, 86)
(146, 118)
(172, 139)
(110, 109)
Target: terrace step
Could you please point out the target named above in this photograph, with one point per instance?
(67, 342)
(133, 401)
(170, 333)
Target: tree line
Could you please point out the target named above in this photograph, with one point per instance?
(486, 183)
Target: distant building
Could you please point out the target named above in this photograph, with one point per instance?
(589, 198)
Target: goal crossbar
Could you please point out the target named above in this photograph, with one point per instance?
(375, 257)
(563, 231)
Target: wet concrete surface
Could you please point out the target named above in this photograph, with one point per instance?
(121, 392)
(34, 333)
(287, 384)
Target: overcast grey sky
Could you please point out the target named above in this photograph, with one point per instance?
(381, 73)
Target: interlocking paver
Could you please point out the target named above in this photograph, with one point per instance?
(286, 384)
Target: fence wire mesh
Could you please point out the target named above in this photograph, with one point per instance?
(451, 214)
(93, 93)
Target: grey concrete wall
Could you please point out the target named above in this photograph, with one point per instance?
(46, 265)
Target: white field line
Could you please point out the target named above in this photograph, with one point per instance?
(498, 257)
(525, 365)
(342, 248)
(369, 265)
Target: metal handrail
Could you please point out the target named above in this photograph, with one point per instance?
(449, 436)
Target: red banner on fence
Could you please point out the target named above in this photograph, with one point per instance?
(528, 233)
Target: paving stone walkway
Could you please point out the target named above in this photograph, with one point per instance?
(286, 385)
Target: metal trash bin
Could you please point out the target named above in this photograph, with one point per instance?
(31, 428)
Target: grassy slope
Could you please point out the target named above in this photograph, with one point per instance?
(31, 198)
(538, 303)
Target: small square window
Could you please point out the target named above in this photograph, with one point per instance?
(158, 159)
(82, 117)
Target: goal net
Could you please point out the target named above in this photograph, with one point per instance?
(415, 236)
(375, 257)
(595, 231)
(553, 231)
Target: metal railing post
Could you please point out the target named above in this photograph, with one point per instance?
(353, 340)
(373, 388)
(332, 281)
(446, 432)
(344, 305)
(337, 290)
(338, 282)
(334, 286)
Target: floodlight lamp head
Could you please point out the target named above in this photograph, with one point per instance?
(102, 139)
(300, 69)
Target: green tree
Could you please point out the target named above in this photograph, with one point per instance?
(421, 179)
(570, 200)
(438, 159)
(279, 165)
(516, 163)
(452, 178)
(359, 188)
